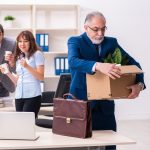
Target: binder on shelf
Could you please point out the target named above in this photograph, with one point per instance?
(66, 65)
(38, 39)
(46, 43)
(57, 66)
(62, 65)
(43, 41)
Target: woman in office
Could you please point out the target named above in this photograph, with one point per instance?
(29, 72)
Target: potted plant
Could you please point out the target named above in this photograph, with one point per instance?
(116, 57)
(9, 21)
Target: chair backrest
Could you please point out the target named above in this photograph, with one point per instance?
(62, 88)
(47, 98)
(63, 85)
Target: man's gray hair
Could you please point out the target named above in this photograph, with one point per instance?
(92, 15)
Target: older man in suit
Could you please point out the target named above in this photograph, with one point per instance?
(6, 44)
(86, 54)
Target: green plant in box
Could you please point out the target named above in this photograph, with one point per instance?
(116, 57)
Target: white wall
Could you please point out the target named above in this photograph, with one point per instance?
(128, 20)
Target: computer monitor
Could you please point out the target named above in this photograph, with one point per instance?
(63, 85)
(62, 88)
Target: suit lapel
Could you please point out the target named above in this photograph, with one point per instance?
(104, 50)
(91, 46)
(88, 41)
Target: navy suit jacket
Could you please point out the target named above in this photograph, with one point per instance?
(82, 55)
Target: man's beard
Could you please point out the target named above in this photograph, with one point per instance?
(98, 41)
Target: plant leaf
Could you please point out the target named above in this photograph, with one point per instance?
(117, 56)
(108, 59)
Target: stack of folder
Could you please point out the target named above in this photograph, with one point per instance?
(43, 41)
(61, 65)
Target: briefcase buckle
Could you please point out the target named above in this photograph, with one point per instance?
(68, 120)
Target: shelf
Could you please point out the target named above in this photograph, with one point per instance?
(21, 13)
(57, 52)
(62, 6)
(15, 7)
(58, 29)
(14, 29)
(54, 76)
(52, 25)
(60, 16)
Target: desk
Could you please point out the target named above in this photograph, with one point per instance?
(48, 140)
(10, 108)
(43, 110)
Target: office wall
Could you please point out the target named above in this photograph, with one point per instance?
(129, 22)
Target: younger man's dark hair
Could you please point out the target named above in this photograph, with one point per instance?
(1, 28)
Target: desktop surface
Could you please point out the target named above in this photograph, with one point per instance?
(50, 140)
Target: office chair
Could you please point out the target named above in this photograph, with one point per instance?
(47, 100)
(62, 88)
(45, 123)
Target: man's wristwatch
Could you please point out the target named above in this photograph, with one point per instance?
(141, 85)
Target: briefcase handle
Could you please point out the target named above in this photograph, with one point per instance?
(69, 94)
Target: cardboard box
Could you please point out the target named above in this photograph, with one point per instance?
(101, 86)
